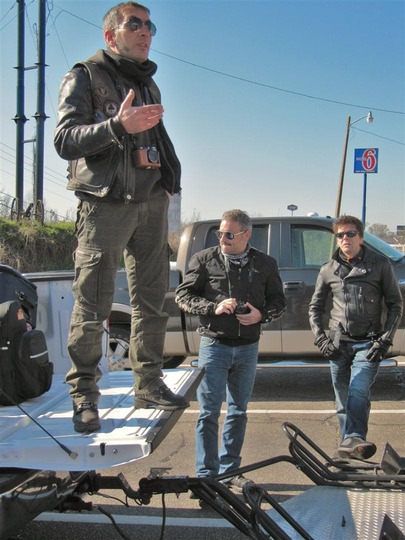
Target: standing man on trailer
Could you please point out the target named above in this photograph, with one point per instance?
(123, 169)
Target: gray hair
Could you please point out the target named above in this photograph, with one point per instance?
(240, 217)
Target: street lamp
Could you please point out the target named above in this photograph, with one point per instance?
(370, 119)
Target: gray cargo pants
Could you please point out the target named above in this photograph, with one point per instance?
(106, 231)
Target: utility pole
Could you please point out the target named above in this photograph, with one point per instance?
(39, 116)
(20, 117)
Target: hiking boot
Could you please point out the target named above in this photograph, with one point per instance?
(85, 417)
(160, 398)
(357, 448)
(237, 482)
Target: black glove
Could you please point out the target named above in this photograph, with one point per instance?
(378, 350)
(325, 345)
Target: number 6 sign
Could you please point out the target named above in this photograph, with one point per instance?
(366, 160)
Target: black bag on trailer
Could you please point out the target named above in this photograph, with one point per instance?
(14, 286)
(33, 369)
(25, 369)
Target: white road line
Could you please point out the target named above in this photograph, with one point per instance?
(134, 520)
(300, 411)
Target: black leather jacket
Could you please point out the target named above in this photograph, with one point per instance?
(366, 300)
(90, 135)
(208, 282)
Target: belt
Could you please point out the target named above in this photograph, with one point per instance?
(347, 337)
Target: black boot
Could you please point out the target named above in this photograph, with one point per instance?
(85, 417)
(160, 398)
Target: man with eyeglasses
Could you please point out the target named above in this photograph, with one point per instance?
(123, 169)
(234, 289)
(362, 285)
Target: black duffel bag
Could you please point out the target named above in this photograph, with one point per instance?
(25, 369)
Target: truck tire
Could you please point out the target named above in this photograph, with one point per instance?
(118, 351)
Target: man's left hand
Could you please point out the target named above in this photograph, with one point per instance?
(378, 350)
(253, 317)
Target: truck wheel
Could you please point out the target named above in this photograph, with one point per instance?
(118, 351)
(170, 362)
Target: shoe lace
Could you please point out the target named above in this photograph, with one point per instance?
(86, 406)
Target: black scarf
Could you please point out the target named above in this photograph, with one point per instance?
(141, 72)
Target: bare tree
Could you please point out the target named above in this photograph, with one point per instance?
(380, 230)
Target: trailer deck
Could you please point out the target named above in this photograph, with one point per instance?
(126, 433)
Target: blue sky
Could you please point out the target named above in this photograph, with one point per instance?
(257, 94)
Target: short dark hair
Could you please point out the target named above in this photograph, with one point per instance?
(240, 217)
(349, 220)
(114, 17)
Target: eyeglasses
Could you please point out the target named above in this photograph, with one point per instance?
(349, 234)
(229, 235)
(134, 24)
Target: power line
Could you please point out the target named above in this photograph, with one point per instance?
(13, 18)
(250, 81)
(379, 136)
(62, 10)
(29, 158)
(277, 88)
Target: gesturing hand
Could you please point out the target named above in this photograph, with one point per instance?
(138, 119)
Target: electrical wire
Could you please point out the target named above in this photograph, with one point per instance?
(250, 81)
(277, 88)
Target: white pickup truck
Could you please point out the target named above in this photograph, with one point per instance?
(43, 461)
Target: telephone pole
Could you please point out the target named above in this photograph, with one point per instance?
(20, 117)
(40, 116)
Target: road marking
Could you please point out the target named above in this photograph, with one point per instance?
(202, 522)
(300, 411)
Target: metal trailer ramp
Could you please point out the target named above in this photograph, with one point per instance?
(339, 513)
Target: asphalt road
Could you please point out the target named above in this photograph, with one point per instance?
(302, 396)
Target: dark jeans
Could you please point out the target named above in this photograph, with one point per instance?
(106, 231)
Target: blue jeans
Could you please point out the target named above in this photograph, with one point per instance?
(229, 372)
(352, 378)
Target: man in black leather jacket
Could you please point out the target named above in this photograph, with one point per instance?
(361, 283)
(123, 169)
(234, 288)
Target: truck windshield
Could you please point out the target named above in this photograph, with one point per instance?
(382, 247)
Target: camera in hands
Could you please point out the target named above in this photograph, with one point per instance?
(147, 157)
(241, 308)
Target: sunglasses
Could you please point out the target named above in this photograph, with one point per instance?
(227, 234)
(349, 234)
(134, 24)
